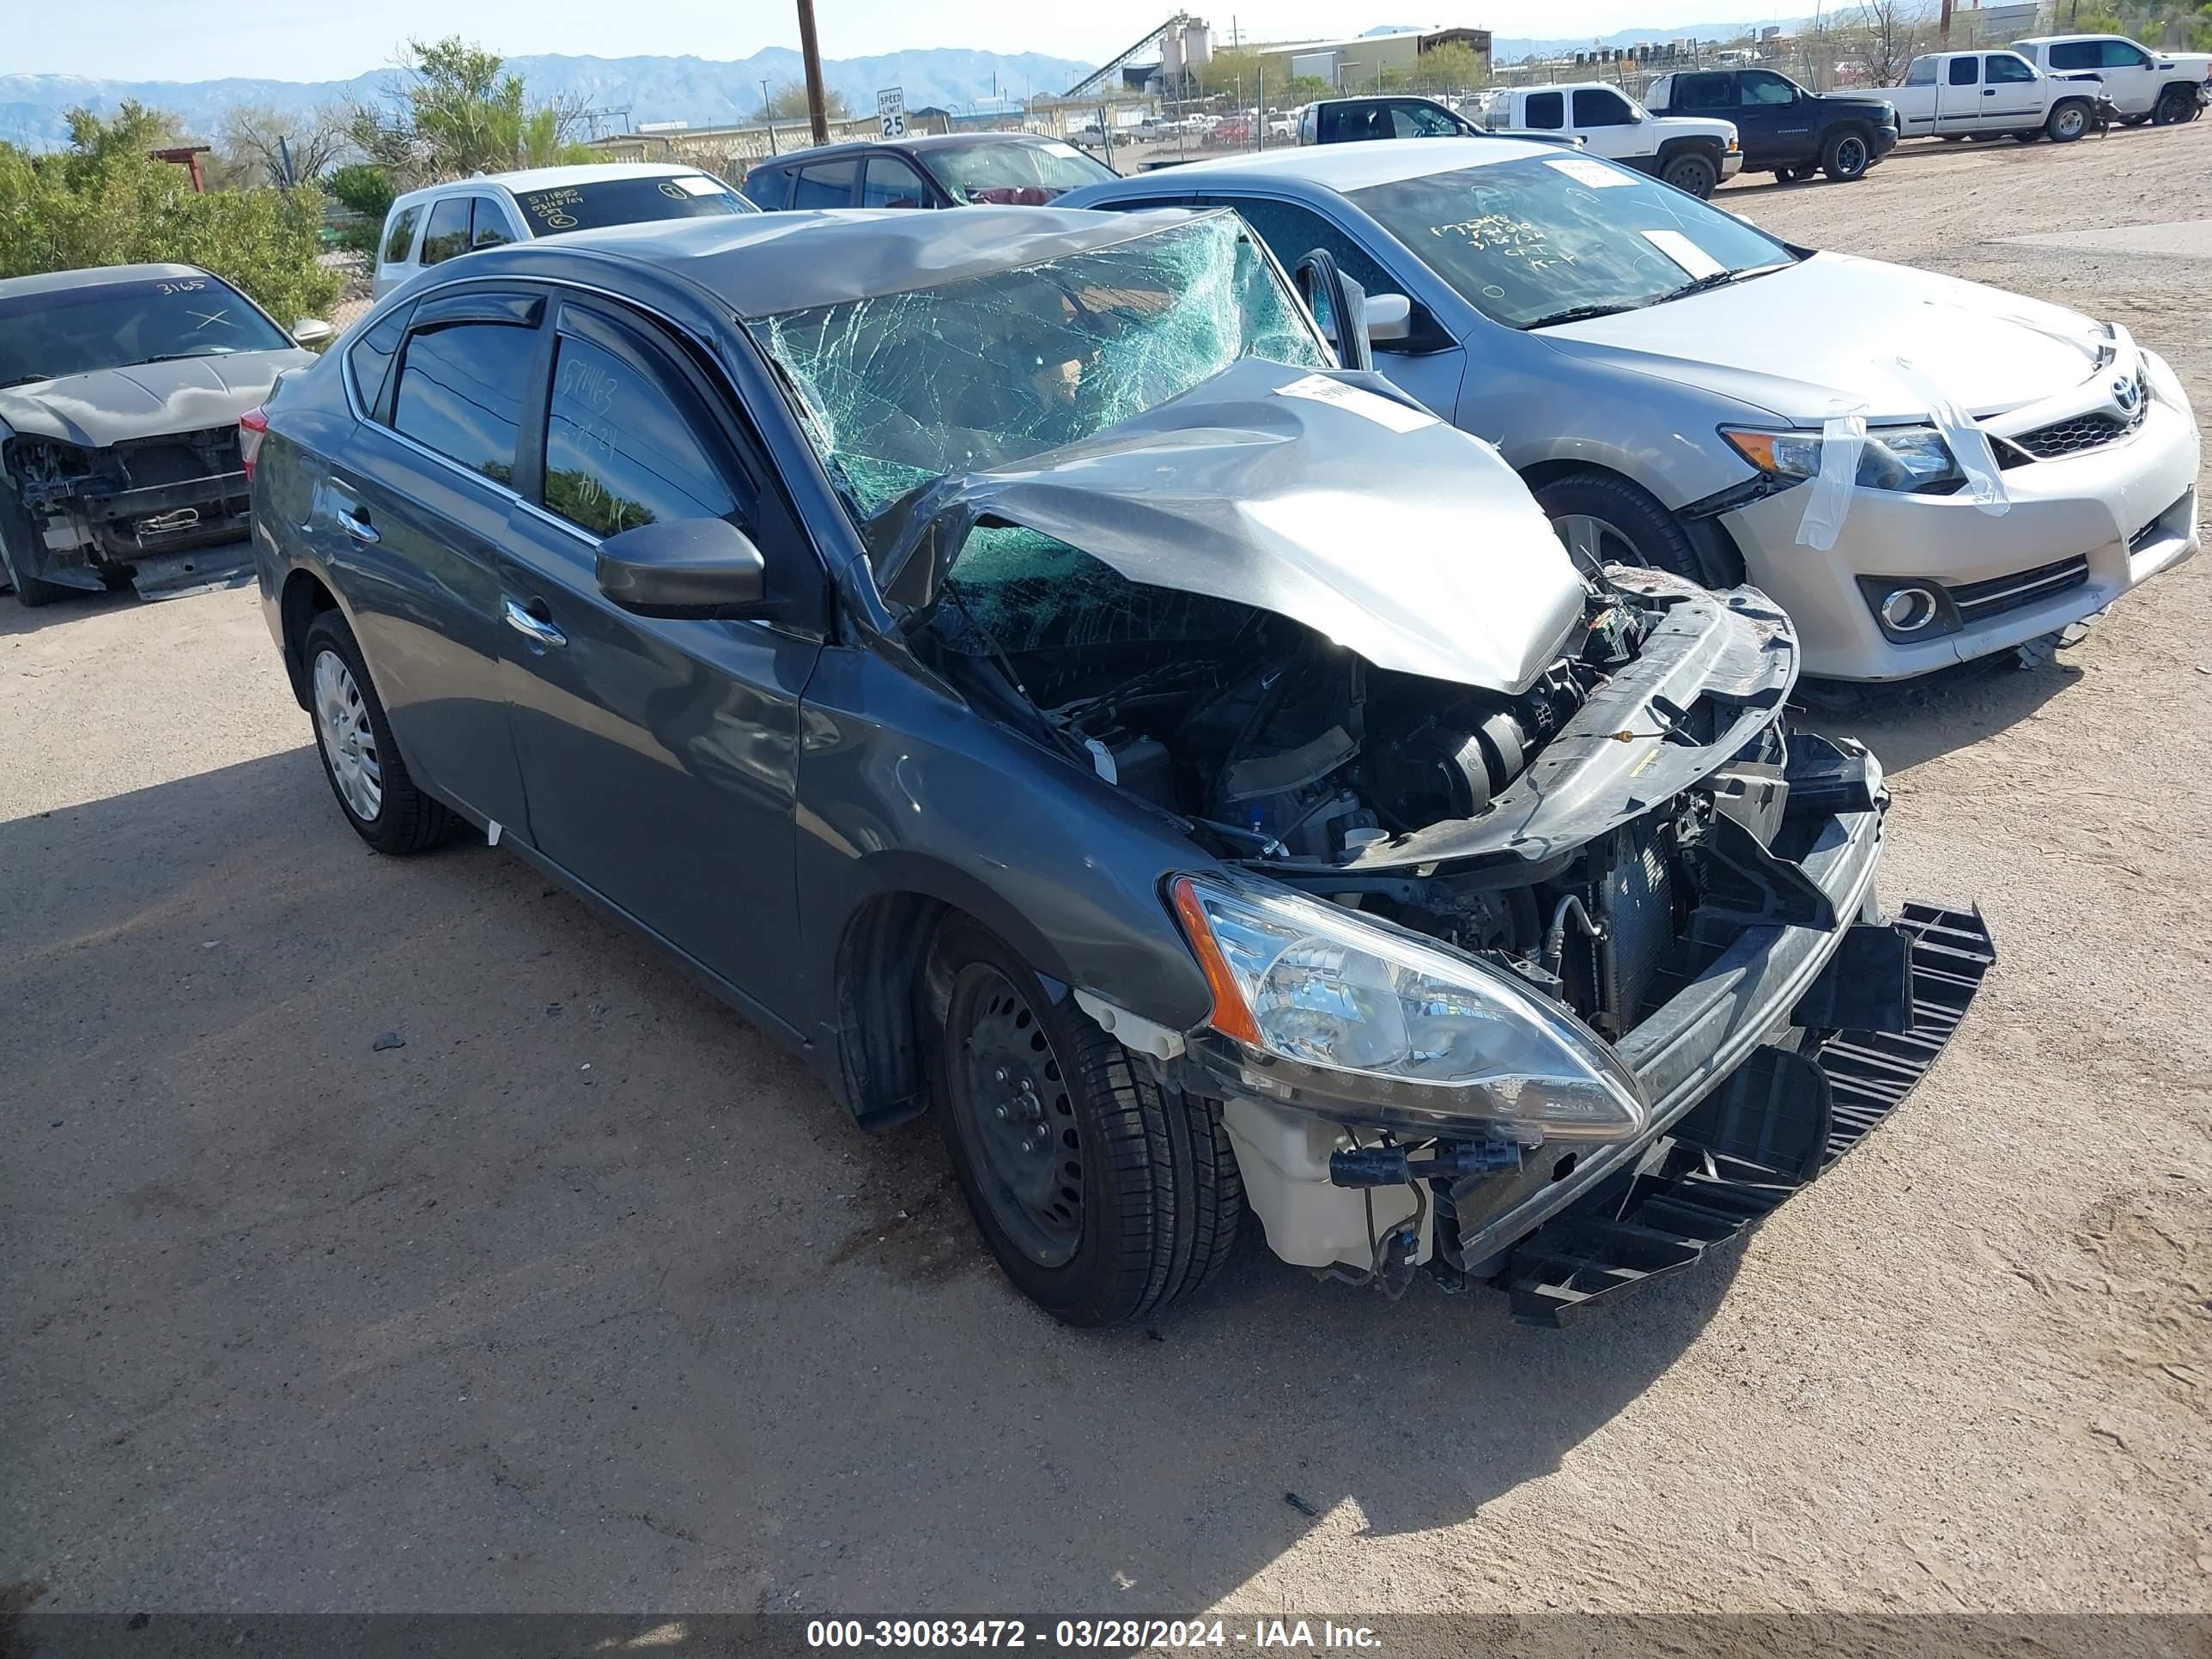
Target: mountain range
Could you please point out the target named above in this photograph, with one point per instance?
(698, 91)
(702, 92)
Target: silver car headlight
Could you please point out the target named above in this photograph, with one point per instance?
(1900, 457)
(1309, 991)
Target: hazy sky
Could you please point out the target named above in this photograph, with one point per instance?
(316, 39)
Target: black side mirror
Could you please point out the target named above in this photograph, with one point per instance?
(1339, 305)
(685, 568)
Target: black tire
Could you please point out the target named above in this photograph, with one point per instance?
(404, 819)
(1795, 175)
(1691, 171)
(1157, 1198)
(2175, 104)
(2136, 120)
(2066, 123)
(1646, 532)
(2028, 137)
(1983, 137)
(1846, 155)
(31, 592)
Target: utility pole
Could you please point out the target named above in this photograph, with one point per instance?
(817, 110)
(1943, 26)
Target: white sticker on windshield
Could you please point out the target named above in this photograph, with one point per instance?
(698, 183)
(1583, 170)
(1358, 400)
(1694, 260)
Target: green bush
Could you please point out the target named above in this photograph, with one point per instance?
(111, 205)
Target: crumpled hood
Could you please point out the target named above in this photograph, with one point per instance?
(1323, 498)
(144, 400)
(1833, 326)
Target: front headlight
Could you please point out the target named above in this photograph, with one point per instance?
(1326, 1004)
(1901, 458)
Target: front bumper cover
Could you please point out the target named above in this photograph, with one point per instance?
(1695, 1188)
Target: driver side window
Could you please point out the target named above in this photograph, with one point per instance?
(1595, 107)
(1765, 89)
(622, 449)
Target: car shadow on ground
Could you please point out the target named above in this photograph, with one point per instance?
(412, 1214)
(1914, 721)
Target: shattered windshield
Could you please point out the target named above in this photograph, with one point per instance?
(1017, 174)
(904, 389)
(1556, 238)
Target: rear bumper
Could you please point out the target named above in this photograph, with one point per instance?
(1681, 1197)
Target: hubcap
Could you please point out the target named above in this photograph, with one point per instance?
(2070, 123)
(348, 740)
(1594, 542)
(1016, 1115)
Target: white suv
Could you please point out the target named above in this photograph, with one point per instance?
(2166, 87)
(427, 227)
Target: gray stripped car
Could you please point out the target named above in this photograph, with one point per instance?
(1662, 374)
(1002, 655)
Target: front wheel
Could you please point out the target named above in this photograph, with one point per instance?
(1603, 518)
(1846, 156)
(2066, 124)
(360, 756)
(1104, 1194)
(2175, 104)
(1693, 173)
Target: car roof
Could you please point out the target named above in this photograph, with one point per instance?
(1350, 166)
(921, 143)
(761, 265)
(1585, 86)
(529, 178)
(2060, 39)
(57, 281)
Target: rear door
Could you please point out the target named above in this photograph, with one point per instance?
(1959, 102)
(411, 514)
(659, 756)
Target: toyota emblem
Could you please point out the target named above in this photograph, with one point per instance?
(2125, 393)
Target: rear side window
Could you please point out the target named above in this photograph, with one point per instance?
(2009, 66)
(829, 185)
(489, 225)
(1920, 72)
(620, 451)
(401, 238)
(370, 358)
(446, 235)
(2077, 55)
(1964, 71)
(1547, 110)
(461, 390)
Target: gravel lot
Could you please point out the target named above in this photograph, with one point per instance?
(585, 1298)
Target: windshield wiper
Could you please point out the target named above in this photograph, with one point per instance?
(1713, 279)
(1584, 313)
(181, 357)
(26, 380)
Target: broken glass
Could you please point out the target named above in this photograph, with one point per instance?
(1016, 591)
(903, 389)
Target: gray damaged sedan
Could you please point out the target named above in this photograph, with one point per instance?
(120, 394)
(1006, 659)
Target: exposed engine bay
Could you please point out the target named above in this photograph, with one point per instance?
(1293, 757)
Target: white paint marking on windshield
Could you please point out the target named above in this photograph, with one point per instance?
(209, 317)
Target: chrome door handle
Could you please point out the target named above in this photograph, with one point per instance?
(359, 529)
(537, 627)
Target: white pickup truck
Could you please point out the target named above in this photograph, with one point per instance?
(2165, 86)
(1691, 153)
(1990, 95)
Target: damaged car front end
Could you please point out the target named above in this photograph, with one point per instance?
(1536, 947)
(120, 394)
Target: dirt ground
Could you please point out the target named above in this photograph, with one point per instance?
(586, 1298)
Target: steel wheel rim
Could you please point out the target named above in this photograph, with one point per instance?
(2070, 123)
(1593, 542)
(1850, 154)
(1683, 174)
(1016, 1116)
(348, 737)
